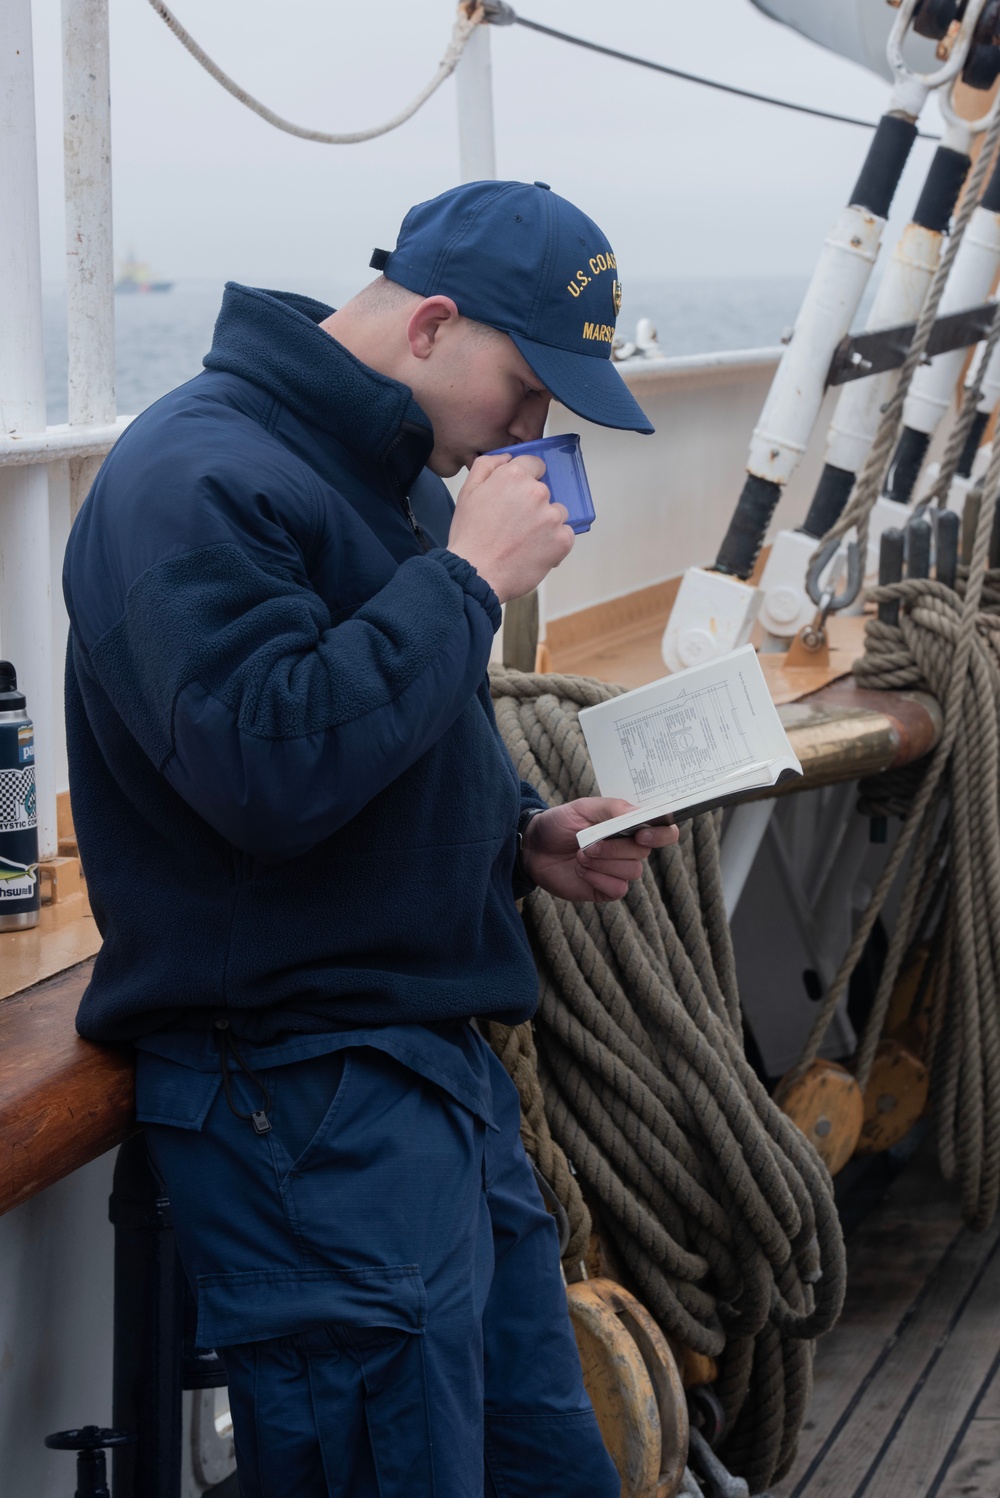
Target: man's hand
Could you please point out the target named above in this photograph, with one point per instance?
(601, 872)
(506, 526)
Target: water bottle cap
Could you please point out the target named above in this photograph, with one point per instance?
(11, 700)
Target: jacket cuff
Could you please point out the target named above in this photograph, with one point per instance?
(463, 573)
(521, 880)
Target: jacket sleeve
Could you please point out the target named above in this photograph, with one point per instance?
(276, 724)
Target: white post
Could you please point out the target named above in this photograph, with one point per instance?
(477, 159)
(89, 249)
(25, 603)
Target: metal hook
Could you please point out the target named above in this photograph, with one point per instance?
(828, 600)
(952, 64)
(954, 121)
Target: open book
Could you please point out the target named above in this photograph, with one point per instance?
(690, 741)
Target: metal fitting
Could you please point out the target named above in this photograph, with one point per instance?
(498, 13)
(813, 637)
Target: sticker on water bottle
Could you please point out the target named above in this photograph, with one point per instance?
(17, 883)
(18, 811)
(26, 746)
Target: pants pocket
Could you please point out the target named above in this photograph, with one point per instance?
(337, 1406)
(255, 1305)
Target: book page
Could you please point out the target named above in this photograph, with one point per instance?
(696, 737)
(685, 744)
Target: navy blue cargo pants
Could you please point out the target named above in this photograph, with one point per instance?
(382, 1280)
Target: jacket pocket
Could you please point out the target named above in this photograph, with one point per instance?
(257, 1305)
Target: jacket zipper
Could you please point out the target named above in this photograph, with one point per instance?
(405, 498)
(414, 524)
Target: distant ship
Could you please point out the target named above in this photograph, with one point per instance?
(135, 277)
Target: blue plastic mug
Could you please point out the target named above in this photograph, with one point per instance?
(564, 474)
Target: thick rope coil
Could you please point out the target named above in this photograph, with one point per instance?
(946, 643)
(468, 18)
(720, 1210)
(515, 1047)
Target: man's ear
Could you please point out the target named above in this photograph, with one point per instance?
(434, 315)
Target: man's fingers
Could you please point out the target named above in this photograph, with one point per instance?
(531, 464)
(618, 867)
(605, 885)
(486, 464)
(657, 837)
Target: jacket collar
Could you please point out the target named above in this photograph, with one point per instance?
(273, 339)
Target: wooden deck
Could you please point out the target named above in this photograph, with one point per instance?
(907, 1393)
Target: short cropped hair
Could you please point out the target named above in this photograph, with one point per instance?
(383, 295)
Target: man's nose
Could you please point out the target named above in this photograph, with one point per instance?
(529, 423)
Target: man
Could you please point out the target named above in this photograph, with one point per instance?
(304, 839)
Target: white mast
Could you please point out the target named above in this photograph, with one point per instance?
(477, 158)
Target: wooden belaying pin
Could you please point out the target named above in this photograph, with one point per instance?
(994, 556)
(946, 533)
(918, 548)
(970, 522)
(890, 570)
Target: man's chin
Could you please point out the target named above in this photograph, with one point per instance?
(445, 465)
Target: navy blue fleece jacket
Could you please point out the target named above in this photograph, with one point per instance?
(290, 794)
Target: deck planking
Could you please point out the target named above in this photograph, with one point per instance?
(907, 1395)
(975, 1469)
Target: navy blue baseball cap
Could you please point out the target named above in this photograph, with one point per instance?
(516, 256)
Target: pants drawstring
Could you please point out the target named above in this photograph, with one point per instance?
(227, 1047)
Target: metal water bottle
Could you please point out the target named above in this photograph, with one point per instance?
(19, 882)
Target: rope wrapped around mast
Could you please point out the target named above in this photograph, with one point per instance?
(719, 1208)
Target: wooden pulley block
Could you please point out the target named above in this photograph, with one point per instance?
(634, 1386)
(908, 1016)
(896, 1096)
(827, 1104)
(695, 1368)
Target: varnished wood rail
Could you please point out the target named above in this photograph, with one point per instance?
(64, 1101)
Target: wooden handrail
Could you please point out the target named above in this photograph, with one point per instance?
(64, 1101)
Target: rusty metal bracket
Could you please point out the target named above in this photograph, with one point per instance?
(862, 354)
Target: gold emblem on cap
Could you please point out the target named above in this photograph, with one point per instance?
(616, 296)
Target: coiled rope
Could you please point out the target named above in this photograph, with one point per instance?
(515, 1046)
(949, 644)
(719, 1208)
(946, 643)
(466, 21)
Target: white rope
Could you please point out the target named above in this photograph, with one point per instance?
(468, 18)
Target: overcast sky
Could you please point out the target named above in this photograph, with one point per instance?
(686, 182)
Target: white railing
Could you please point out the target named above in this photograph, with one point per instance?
(37, 500)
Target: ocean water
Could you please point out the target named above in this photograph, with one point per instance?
(160, 338)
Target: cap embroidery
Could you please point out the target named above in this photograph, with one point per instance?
(599, 331)
(596, 264)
